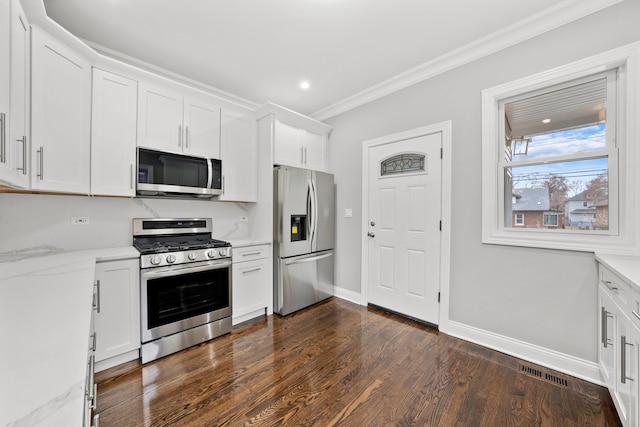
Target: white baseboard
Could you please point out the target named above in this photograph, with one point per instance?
(348, 295)
(561, 362)
(117, 360)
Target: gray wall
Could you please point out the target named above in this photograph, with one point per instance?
(543, 297)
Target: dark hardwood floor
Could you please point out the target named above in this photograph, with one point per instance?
(338, 363)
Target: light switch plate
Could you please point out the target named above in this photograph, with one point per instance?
(348, 213)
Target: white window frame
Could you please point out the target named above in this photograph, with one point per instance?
(515, 219)
(625, 235)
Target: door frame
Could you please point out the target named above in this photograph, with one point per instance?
(445, 214)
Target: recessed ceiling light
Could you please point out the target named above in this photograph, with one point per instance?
(546, 121)
(304, 85)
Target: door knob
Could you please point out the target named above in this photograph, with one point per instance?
(370, 234)
(373, 224)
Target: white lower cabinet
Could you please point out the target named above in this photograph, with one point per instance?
(619, 342)
(117, 312)
(251, 282)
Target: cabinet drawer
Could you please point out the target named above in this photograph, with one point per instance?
(619, 290)
(634, 310)
(250, 253)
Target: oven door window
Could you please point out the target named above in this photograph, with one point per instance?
(174, 298)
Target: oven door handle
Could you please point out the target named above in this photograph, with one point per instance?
(216, 265)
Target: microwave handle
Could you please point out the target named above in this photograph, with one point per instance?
(210, 174)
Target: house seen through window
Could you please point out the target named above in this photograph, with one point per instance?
(558, 155)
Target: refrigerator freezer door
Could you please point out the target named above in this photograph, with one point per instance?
(303, 281)
(293, 190)
(324, 212)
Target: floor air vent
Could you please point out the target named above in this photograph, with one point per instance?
(529, 370)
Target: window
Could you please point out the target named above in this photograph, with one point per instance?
(402, 163)
(555, 146)
(550, 220)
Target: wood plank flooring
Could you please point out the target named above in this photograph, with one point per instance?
(340, 364)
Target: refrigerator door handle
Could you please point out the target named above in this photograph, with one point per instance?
(315, 209)
(312, 217)
(313, 258)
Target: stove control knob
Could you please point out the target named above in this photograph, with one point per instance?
(155, 260)
(211, 253)
(224, 252)
(192, 256)
(171, 259)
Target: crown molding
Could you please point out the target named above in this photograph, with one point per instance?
(546, 20)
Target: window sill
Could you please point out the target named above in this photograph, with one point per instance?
(561, 241)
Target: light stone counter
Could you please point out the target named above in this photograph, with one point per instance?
(626, 266)
(241, 243)
(45, 314)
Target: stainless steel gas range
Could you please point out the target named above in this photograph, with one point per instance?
(185, 284)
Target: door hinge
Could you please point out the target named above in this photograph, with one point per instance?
(438, 296)
(441, 150)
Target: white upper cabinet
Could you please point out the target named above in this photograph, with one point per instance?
(60, 121)
(170, 121)
(299, 147)
(239, 157)
(14, 95)
(201, 128)
(113, 134)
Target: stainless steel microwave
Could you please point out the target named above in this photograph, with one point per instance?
(162, 174)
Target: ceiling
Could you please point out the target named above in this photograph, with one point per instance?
(261, 50)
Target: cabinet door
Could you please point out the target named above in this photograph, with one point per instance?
(17, 142)
(287, 146)
(633, 367)
(624, 356)
(202, 128)
(159, 118)
(61, 106)
(249, 288)
(118, 312)
(113, 134)
(314, 150)
(239, 158)
(607, 333)
(5, 70)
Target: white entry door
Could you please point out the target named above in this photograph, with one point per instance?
(404, 226)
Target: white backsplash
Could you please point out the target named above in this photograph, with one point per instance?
(28, 221)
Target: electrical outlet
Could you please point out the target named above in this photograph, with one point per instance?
(243, 218)
(79, 220)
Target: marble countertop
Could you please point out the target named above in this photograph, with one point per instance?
(239, 243)
(626, 266)
(45, 316)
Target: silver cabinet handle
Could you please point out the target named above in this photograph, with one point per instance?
(252, 253)
(302, 155)
(623, 359)
(96, 297)
(41, 153)
(607, 283)
(305, 156)
(3, 138)
(96, 420)
(24, 154)
(186, 137)
(179, 135)
(252, 270)
(635, 313)
(131, 173)
(605, 324)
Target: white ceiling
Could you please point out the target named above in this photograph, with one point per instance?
(261, 50)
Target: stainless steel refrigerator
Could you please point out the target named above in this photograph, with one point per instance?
(304, 224)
